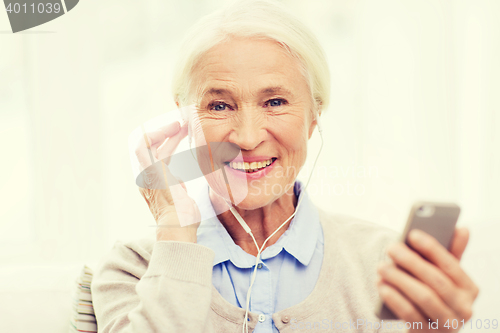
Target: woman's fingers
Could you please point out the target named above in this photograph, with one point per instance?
(168, 147)
(456, 298)
(158, 137)
(427, 301)
(430, 249)
(171, 128)
(399, 305)
(430, 277)
(146, 149)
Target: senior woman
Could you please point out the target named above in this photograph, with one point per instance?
(259, 80)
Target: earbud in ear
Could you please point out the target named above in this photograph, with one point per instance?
(318, 122)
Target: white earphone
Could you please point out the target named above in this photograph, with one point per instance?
(318, 122)
(247, 229)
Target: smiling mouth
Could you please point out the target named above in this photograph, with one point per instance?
(251, 167)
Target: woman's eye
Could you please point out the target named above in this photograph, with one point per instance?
(275, 102)
(219, 107)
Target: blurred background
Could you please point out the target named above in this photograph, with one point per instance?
(415, 115)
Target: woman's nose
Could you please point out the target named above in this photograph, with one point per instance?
(249, 129)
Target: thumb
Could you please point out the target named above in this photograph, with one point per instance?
(459, 242)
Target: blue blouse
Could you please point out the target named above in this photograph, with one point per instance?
(288, 269)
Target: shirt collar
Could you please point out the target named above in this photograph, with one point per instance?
(304, 230)
(299, 240)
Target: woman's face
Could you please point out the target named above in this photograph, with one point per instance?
(252, 94)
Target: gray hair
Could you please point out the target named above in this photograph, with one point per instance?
(254, 18)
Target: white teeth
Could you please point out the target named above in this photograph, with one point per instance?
(250, 166)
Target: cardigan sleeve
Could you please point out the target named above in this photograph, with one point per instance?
(170, 292)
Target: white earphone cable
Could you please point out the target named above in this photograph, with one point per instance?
(249, 231)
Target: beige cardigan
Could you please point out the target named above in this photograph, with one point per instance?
(166, 286)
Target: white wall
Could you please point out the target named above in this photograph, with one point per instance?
(414, 104)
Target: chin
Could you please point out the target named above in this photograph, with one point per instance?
(257, 198)
(252, 203)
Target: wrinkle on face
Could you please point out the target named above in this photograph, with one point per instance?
(243, 75)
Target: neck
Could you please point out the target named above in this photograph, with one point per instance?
(262, 221)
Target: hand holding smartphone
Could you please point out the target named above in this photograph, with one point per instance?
(437, 220)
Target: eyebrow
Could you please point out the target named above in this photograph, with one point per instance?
(264, 91)
(275, 90)
(216, 91)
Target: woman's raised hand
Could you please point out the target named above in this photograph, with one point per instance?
(165, 195)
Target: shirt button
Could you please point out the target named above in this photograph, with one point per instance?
(262, 318)
(259, 266)
(285, 319)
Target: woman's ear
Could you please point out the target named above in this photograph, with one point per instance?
(312, 127)
(315, 114)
